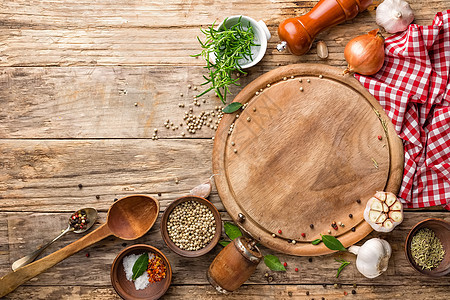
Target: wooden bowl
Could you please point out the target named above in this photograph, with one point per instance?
(125, 288)
(165, 233)
(442, 230)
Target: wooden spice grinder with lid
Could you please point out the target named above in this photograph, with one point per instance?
(234, 265)
(297, 34)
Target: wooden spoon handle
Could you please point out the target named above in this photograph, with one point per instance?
(11, 281)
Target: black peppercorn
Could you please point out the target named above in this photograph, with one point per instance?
(80, 186)
(307, 293)
(124, 244)
(350, 216)
(159, 194)
(290, 294)
(115, 199)
(353, 292)
(323, 298)
(310, 259)
(353, 229)
(311, 225)
(97, 196)
(358, 201)
(324, 285)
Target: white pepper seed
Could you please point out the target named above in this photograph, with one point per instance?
(301, 89)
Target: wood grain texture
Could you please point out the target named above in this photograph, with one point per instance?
(67, 33)
(43, 175)
(71, 73)
(303, 152)
(191, 271)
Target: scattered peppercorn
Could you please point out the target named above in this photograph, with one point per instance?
(350, 216)
(270, 279)
(124, 244)
(354, 285)
(285, 264)
(159, 194)
(323, 298)
(311, 225)
(296, 269)
(380, 137)
(279, 231)
(353, 292)
(97, 196)
(353, 229)
(115, 199)
(290, 294)
(266, 275)
(345, 293)
(335, 285)
(310, 259)
(303, 235)
(324, 285)
(87, 254)
(307, 293)
(80, 186)
(358, 201)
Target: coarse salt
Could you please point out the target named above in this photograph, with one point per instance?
(128, 262)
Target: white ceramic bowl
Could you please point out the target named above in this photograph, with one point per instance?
(262, 36)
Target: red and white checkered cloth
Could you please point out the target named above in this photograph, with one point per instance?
(414, 89)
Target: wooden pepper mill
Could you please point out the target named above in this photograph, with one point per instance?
(234, 265)
(297, 34)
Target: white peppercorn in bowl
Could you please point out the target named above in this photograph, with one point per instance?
(191, 226)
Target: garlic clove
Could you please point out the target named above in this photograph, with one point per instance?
(383, 212)
(202, 190)
(390, 199)
(373, 215)
(397, 206)
(381, 218)
(376, 205)
(380, 196)
(396, 216)
(388, 224)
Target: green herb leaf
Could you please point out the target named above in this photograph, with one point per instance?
(316, 241)
(223, 49)
(140, 266)
(224, 243)
(332, 243)
(231, 230)
(232, 107)
(344, 263)
(273, 263)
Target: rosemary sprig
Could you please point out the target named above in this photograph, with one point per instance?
(222, 50)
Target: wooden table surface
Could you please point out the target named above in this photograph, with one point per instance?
(83, 84)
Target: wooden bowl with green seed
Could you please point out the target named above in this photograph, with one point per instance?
(427, 247)
(191, 226)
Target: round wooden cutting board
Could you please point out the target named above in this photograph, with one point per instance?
(310, 148)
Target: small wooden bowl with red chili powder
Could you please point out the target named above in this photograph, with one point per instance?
(126, 288)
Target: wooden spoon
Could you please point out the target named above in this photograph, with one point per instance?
(128, 218)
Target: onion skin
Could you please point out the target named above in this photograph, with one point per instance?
(365, 53)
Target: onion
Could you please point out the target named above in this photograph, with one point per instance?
(365, 53)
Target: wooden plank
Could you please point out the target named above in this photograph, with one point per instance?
(43, 175)
(23, 237)
(102, 102)
(150, 32)
(284, 292)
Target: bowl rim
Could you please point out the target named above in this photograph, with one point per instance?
(165, 233)
(411, 233)
(128, 249)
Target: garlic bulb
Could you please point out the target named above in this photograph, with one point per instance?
(394, 15)
(372, 257)
(383, 212)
